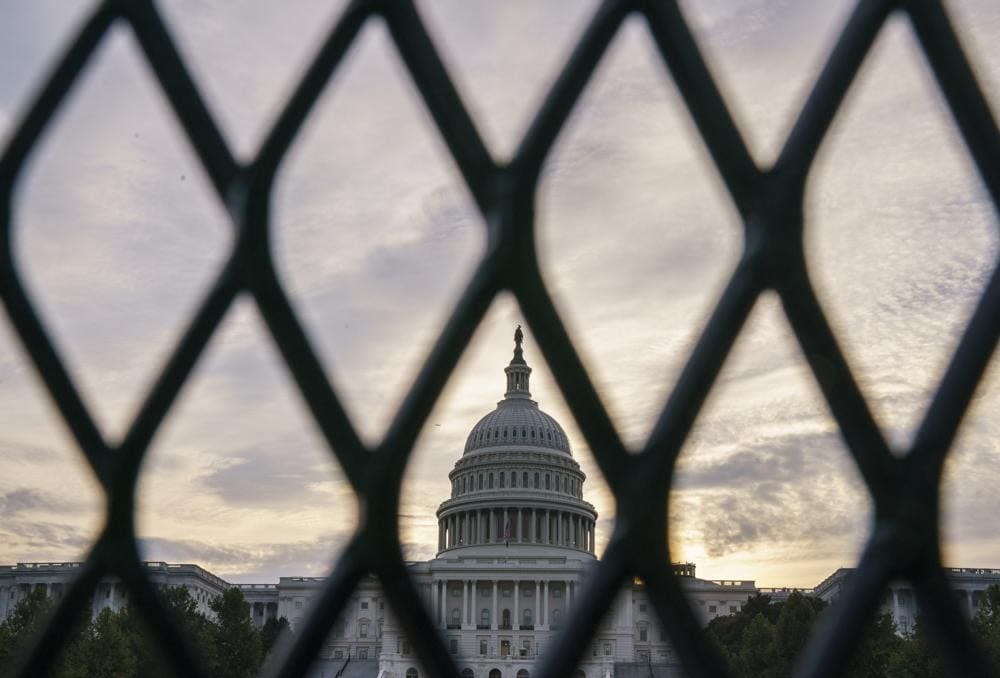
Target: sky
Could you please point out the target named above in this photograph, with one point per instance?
(118, 234)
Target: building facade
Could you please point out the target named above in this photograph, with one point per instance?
(515, 544)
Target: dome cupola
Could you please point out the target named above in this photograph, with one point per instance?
(517, 422)
(517, 485)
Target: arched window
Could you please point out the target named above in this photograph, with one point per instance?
(523, 673)
(495, 673)
(513, 479)
(557, 483)
(468, 673)
(524, 479)
(456, 617)
(503, 479)
(491, 481)
(480, 481)
(527, 617)
(484, 617)
(412, 673)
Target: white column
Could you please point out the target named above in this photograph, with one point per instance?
(516, 621)
(536, 620)
(440, 603)
(520, 527)
(465, 603)
(543, 605)
(506, 523)
(532, 532)
(494, 616)
(545, 527)
(493, 527)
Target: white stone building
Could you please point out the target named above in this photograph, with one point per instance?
(515, 543)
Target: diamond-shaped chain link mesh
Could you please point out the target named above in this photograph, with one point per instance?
(905, 541)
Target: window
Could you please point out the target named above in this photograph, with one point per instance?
(557, 593)
(468, 673)
(536, 481)
(523, 673)
(546, 481)
(527, 617)
(362, 653)
(642, 607)
(643, 633)
(711, 608)
(503, 477)
(463, 483)
(484, 617)
(556, 617)
(364, 604)
(524, 479)
(607, 649)
(412, 673)
(482, 647)
(491, 481)
(298, 604)
(495, 673)
(456, 617)
(557, 483)
(453, 645)
(513, 479)
(732, 609)
(338, 654)
(480, 481)
(362, 629)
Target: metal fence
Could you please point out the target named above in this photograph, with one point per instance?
(904, 543)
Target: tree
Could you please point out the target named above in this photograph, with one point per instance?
(986, 623)
(196, 628)
(111, 653)
(791, 633)
(272, 631)
(728, 630)
(756, 656)
(880, 644)
(237, 644)
(23, 623)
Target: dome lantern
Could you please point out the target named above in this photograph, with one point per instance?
(518, 373)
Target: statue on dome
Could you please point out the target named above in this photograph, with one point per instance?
(518, 336)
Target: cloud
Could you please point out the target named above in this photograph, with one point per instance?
(271, 477)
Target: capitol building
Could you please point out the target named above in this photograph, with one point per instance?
(515, 543)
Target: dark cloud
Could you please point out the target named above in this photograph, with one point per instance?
(24, 499)
(247, 562)
(276, 477)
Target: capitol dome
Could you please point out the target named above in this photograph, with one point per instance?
(517, 484)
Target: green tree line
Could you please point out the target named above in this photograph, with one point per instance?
(764, 639)
(117, 644)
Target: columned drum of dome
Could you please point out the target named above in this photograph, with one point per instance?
(517, 484)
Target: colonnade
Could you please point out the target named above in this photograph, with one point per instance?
(519, 604)
(516, 526)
